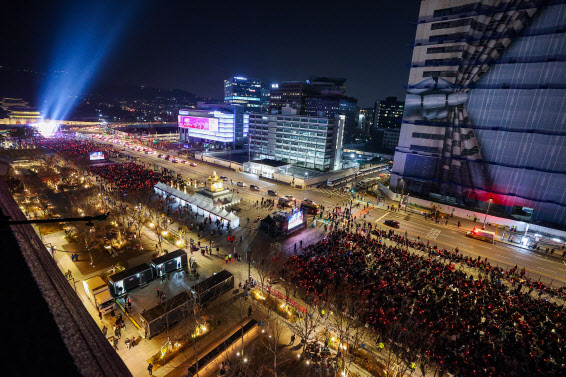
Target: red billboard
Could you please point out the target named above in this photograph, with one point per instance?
(198, 123)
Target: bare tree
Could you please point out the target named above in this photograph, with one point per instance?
(346, 321)
(273, 343)
(307, 324)
(158, 222)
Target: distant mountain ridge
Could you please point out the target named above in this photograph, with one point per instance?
(26, 83)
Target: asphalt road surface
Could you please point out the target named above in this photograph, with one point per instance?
(548, 269)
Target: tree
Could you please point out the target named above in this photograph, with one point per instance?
(27, 134)
(307, 324)
(346, 321)
(159, 221)
(273, 343)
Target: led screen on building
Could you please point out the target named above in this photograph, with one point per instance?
(295, 219)
(197, 123)
(97, 156)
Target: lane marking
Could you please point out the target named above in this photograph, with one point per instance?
(381, 217)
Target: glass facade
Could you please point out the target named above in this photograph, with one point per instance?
(484, 114)
(214, 123)
(245, 92)
(331, 105)
(312, 142)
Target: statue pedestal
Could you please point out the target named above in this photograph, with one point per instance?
(215, 193)
(218, 198)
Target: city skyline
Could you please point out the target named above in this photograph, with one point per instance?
(165, 56)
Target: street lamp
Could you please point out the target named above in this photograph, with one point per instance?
(402, 190)
(487, 212)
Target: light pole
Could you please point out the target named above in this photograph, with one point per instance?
(306, 177)
(530, 221)
(487, 212)
(402, 190)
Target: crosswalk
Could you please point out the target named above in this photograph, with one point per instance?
(433, 234)
(328, 191)
(430, 233)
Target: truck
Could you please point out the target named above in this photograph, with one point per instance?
(482, 235)
(98, 293)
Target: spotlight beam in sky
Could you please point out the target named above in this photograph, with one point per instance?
(86, 36)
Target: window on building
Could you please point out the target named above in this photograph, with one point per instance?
(450, 24)
(440, 73)
(448, 37)
(418, 135)
(456, 10)
(424, 148)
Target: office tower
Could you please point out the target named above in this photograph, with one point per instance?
(365, 121)
(388, 113)
(312, 142)
(387, 123)
(288, 93)
(245, 92)
(329, 105)
(484, 111)
(224, 125)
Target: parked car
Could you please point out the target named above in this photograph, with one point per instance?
(392, 223)
(183, 161)
(272, 193)
(254, 188)
(223, 177)
(193, 164)
(290, 198)
(159, 156)
(241, 184)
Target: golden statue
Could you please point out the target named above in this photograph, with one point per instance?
(214, 183)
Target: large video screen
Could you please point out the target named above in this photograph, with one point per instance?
(197, 123)
(96, 156)
(295, 219)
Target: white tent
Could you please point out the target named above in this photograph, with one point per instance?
(198, 206)
(234, 220)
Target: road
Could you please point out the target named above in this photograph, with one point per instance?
(546, 268)
(450, 236)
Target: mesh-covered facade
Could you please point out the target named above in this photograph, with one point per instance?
(485, 108)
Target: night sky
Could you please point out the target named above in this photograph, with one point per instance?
(196, 45)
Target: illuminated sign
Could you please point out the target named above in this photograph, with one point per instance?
(97, 156)
(197, 123)
(295, 219)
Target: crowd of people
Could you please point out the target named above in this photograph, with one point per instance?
(76, 149)
(515, 276)
(127, 177)
(466, 325)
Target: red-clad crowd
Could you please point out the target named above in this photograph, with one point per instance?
(127, 177)
(466, 325)
(76, 149)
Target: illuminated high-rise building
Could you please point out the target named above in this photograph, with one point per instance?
(246, 92)
(484, 112)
